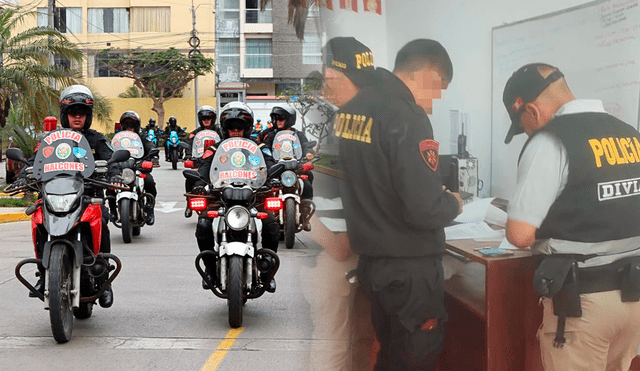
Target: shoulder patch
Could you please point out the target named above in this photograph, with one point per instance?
(429, 153)
(266, 151)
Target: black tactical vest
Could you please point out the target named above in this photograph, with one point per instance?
(601, 201)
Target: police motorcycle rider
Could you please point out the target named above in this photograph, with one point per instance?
(172, 125)
(76, 113)
(284, 118)
(206, 121)
(236, 121)
(151, 126)
(130, 121)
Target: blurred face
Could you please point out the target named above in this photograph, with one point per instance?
(426, 85)
(338, 89)
(280, 121)
(235, 133)
(206, 122)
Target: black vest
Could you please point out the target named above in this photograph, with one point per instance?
(601, 201)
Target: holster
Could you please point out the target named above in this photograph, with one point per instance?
(630, 283)
(556, 277)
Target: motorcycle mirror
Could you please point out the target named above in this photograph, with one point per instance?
(153, 152)
(312, 143)
(50, 123)
(276, 170)
(184, 145)
(120, 155)
(15, 154)
(191, 175)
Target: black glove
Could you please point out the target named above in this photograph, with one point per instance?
(117, 179)
(18, 183)
(199, 189)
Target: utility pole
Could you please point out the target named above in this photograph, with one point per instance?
(194, 42)
(50, 21)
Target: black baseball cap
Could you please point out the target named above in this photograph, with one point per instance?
(350, 56)
(524, 86)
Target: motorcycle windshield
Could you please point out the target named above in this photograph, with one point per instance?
(66, 152)
(238, 160)
(286, 146)
(130, 141)
(197, 150)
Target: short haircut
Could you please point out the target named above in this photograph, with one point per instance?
(424, 52)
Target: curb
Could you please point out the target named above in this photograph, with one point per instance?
(14, 217)
(328, 171)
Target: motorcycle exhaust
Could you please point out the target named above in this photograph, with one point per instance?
(265, 264)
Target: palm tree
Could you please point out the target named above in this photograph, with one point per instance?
(25, 71)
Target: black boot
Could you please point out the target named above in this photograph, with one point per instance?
(188, 212)
(106, 299)
(211, 278)
(39, 286)
(272, 286)
(149, 216)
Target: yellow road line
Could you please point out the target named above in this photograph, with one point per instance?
(218, 356)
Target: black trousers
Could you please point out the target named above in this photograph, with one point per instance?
(407, 309)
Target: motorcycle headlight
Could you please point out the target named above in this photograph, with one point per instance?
(237, 218)
(288, 178)
(61, 203)
(128, 175)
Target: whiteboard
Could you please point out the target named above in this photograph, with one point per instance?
(597, 47)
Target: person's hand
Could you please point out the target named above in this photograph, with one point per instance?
(310, 156)
(199, 190)
(117, 181)
(17, 184)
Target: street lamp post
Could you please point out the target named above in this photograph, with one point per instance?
(194, 42)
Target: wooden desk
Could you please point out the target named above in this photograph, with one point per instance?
(508, 315)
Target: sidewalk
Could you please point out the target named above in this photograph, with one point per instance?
(9, 214)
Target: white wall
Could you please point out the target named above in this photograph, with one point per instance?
(464, 28)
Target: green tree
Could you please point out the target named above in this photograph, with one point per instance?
(25, 70)
(132, 92)
(306, 99)
(160, 75)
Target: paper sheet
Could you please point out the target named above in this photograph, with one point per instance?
(334, 224)
(506, 245)
(475, 211)
(477, 231)
(327, 203)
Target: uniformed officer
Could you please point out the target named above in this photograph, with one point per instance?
(394, 202)
(576, 201)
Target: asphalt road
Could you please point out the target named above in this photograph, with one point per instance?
(162, 319)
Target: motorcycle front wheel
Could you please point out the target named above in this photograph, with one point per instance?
(235, 290)
(60, 286)
(125, 219)
(289, 223)
(174, 159)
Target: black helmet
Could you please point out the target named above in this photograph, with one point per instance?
(288, 113)
(207, 111)
(236, 115)
(79, 98)
(130, 119)
(152, 121)
(172, 121)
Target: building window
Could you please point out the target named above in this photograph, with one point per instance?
(281, 88)
(62, 61)
(65, 20)
(253, 13)
(231, 9)
(101, 69)
(228, 59)
(108, 20)
(258, 53)
(151, 19)
(311, 49)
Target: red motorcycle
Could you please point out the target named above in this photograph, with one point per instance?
(67, 226)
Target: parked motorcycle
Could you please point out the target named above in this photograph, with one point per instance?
(287, 150)
(131, 203)
(173, 145)
(67, 225)
(237, 189)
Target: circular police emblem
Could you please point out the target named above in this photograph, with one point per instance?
(286, 146)
(238, 159)
(126, 143)
(63, 151)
